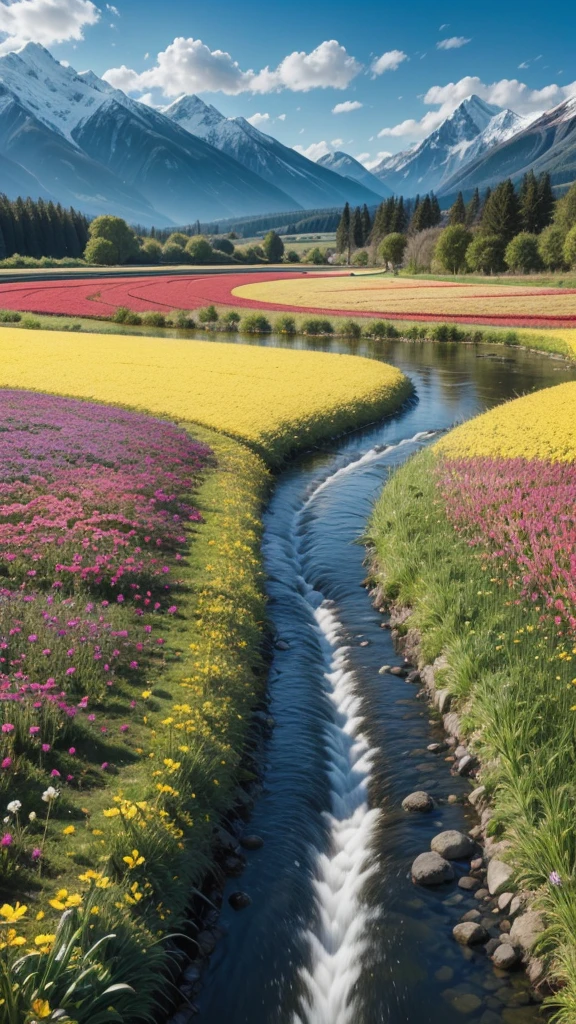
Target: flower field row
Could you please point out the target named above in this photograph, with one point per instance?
(338, 293)
(478, 536)
(274, 399)
(398, 298)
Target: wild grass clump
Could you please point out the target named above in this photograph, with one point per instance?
(230, 321)
(255, 323)
(285, 325)
(123, 315)
(349, 329)
(9, 316)
(208, 315)
(381, 329)
(183, 320)
(316, 326)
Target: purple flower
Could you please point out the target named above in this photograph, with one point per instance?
(7, 762)
(124, 728)
(55, 773)
(7, 727)
(45, 748)
(6, 840)
(72, 751)
(32, 638)
(104, 765)
(70, 671)
(34, 729)
(555, 878)
(36, 853)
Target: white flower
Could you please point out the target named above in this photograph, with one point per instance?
(14, 806)
(32, 816)
(6, 819)
(50, 794)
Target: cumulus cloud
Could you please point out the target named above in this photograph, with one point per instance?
(453, 43)
(113, 10)
(362, 157)
(315, 150)
(281, 117)
(507, 92)
(44, 21)
(188, 65)
(388, 62)
(258, 120)
(347, 107)
(373, 162)
(336, 142)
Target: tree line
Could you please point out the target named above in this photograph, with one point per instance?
(40, 228)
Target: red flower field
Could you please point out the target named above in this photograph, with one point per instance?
(100, 297)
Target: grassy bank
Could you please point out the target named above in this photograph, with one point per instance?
(245, 324)
(510, 668)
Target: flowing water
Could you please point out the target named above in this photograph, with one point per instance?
(336, 932)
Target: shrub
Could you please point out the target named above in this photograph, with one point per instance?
(486, 254)
(316, 325)
(285, 325)
(101, 252)
(415, 333)
(231, 320)
(360, 258)
(420, 250)
(349, 329)
(570, 248)
(315, 256)
(31, 323)
(522, 253)
(173, 253)
(123, 315)
(182, 319)
(223, 245)
(551, 248)
(151, 251)
(291, 256)
(381, 329)
(255, 323)
(208, 315)
(273, 247)
(199, 250)
(441, 332)
(9, 316)
(72, 327)
(154, 319)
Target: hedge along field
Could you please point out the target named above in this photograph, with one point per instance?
(412, 299)
(478, 536)
(273, 399)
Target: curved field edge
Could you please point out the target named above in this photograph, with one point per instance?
(274, 400)
(515, 696)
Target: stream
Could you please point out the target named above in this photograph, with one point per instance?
(336, 932)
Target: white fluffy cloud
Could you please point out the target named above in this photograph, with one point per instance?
(259, 119)
(453, 43)
(315, 150)
(44, 21)
(388, 62)
(188, 65)
(371, 162)
(347, 107)
(507, 92)
(281, 117)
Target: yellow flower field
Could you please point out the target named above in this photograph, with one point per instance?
(537, 426)
(272, 398)
(411, 297)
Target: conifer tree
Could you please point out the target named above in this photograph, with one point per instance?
(500, 215)
(528, 202)
(422, 216)
(366, 224)
(546, 201)
(356, 229)
(343, 231)
(436, 211)
(457, 214)
(473, 208)
(400, 220)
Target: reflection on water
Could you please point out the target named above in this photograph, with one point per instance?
(321, 942)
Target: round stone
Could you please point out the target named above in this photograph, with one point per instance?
(251, 842)
(431, 869)
(418, 801)
(505, 956)
(239, 900)
(469, 933)
(452, 845)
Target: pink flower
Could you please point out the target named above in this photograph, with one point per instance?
(6, 840)
(34, 729)
(36, 853)
(70, 671)
(91, 718)
(133, 664)
(7, 727)
(46, 651)
(124, 728)
(69, 778)
(72, 751)
(104, 765)
(55, 773)
(172, 609)
(45, 748)
(7, 762)
(32, 638)
(120, 598)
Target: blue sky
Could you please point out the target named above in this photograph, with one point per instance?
(383, 59)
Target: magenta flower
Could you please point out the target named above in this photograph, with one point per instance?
(70, 671)
(36, 853)
(55, 773)
(104, 765)
(34, 730)
(46, 651)
(6, 840)
(72, 751)
(172, 609)
(7, 762)
(7, 727)
(32, 638)
(124, 728)
(133, 664)
(45, 748)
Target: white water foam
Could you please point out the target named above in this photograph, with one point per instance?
(337, 940)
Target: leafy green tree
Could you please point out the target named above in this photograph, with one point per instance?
(174, 253)
(177, 238)
(151, 251)
(551, 247)
(291, 256)
(485, 254)
(343, 231)
(457, 214)
(452, 246)
(356, 230)
(116, 230)
(273, 247)
(500, 215)
(522, 253)
(391, 249)
(199, 250)
(570, 248)
(473, 208)
(101, 252)
(223, 245)
(565, 211)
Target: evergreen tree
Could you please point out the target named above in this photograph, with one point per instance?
(55, 215)
(343, 231)
(400, 221)
(528, 202)
(500, 215)
(366, 224)
(422, 216)
(20, 223)
(356, 229)
(457, 214)
(473, 209)
(3, 252)
(546, 201)
(436, 211)
(273, 247)
(7, 224)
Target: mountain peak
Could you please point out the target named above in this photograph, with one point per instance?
(191, 113)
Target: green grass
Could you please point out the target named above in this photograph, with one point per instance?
(513, 691)
(564, 279)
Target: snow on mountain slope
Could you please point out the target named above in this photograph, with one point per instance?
(311, 185)
(349, 167)
(472, 129)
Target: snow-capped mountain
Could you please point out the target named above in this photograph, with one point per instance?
(544, 144)
(93, 147)
(311, 185)
(472, 129)
(349, 167)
